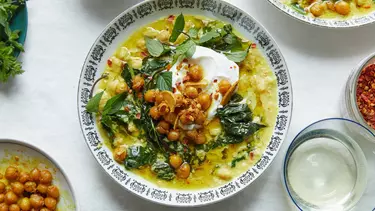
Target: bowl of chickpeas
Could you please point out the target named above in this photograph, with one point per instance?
(31, 180)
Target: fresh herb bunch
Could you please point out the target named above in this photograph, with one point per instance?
(9, 66)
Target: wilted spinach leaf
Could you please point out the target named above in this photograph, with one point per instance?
(138, 156)
(93, 104)
(114, 104)
(163, 170)
(152, 64)
(128, 73)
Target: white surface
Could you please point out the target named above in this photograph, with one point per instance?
(40, 105)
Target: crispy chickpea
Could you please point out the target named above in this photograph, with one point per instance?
(4, 207)
(119, 154)
(30, 187)
(14, 207)
(2, 187)
(45, 177)
(8, 188)
(36, 201)
(192, 134)
(24, 204)
(201, 118)
(173, 135)
(138, 83)
(24, 177)
(10, 198)
(17, 188)
(183, 171)
(342, 7)
(191, 92)
(50, 203)
(44, 209)
(179, 99)
(2, 198)
(205, 100)
(42, 188)
(11, 173)
(330, 5)
(159, 98)
(163, 108)
(195, 73)
(53, 192)
(154, 112)
(150, 96)
(316, 9)
(170, 117)
(162, 127)
(35, 175)
(186, 119)
(175, 160)
(224, 86)
(200, 139)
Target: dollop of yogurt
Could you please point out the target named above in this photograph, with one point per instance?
(216, 67)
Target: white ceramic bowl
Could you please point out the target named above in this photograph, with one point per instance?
(146, 12)
(330, 23)
(32, 157)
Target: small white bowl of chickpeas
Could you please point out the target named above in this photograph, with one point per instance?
(30, 180)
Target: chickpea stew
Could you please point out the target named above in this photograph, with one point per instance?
(332, 8)
(186, 103)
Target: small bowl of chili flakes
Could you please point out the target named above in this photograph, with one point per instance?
(359, 95)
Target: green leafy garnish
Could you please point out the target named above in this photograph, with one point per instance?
(114, 104)
(178, 28)
(163, 170)
(193, 32)
(93, 104)
(236, 160)
(164, 81)
(151, 65)
(187, 48)
(138, 156)
(297, 7)
(9, 66)
(154, 47)
(208, 36)
(237, 56)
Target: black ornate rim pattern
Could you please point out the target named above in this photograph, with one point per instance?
(330, 23)
(95, 63)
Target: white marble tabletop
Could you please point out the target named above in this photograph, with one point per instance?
(40, 105)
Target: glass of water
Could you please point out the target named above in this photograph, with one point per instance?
(326, 168)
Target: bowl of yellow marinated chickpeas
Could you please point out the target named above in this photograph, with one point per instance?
(31, 180)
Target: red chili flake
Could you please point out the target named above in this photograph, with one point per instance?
(215, 80)
(144, 54)
(235, 67)
(231, 67)
(251, 155)
(169, 66)
(127, 109)
(109, 62)
(186, 78)
(365, 94)
(216, 96)
(174, 89)
(171, 18)
(138, 116)
(253, 45)
(185, 60)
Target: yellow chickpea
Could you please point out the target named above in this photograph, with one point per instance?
(173, 135)
(316, 9)
(14, 207)
(150, 96)
(179, 99)
(35, 175)
(342, 7)
(200, 139)
(42, 188)
(10, 198)
(4, 207)
(187, 119)
(175, 160)
(154, 112)
(50, 203)
(201, 118)
(24, 204)
(163, 36)
(170, 117)
(141, 43)
(330, 5)
(162, 127)
(2, 187)
(24, 177)
(45, 177)
(36, 201)
(205, 100)
(2, 198)
(53, 192)
(191, 134)
(224, 86)
(11, 173)
(138, 83)
(17, 188)
(191, 92)
(163, 108)
(195, 73)
(30, 187)
(44, 209)
(183, 171)
(159, 98)
(119, 154)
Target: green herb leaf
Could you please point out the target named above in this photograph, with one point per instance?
(297, 7)
(237, 56)
(236, 160)
(178, 27)
(150, 65)
(163, 170)
(128, 74)
(138, 156)
(9, 66)
(93, 104)
(114, 104)
(193, 32)
(154, 47)
(164, 81)
(187, 48)
(209, 36)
